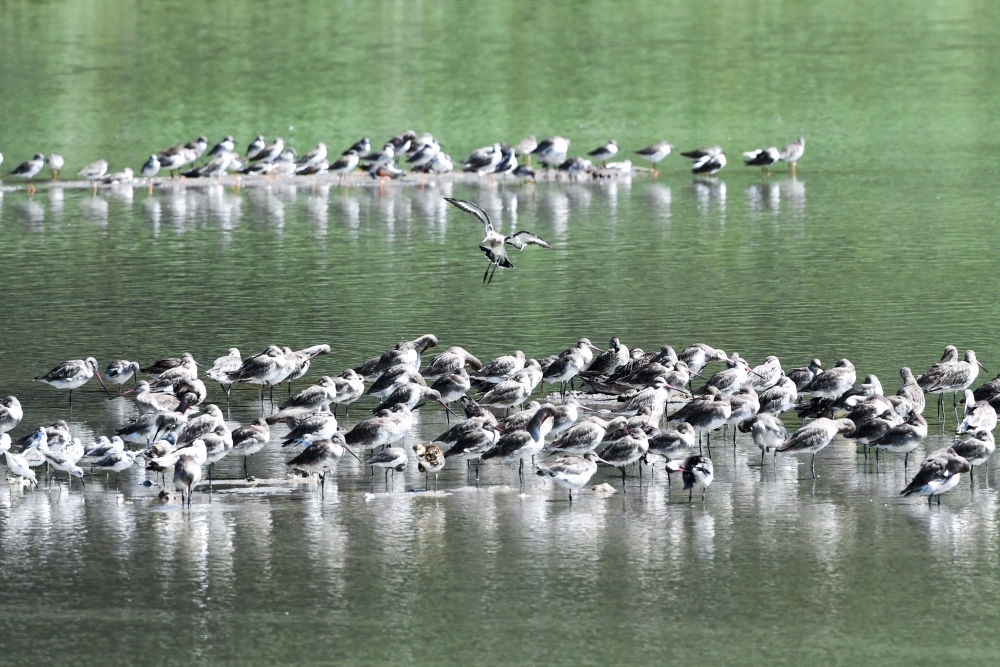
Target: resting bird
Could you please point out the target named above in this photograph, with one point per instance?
(494, 245)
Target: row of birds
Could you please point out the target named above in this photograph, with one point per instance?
(422, 153)
(174, 433)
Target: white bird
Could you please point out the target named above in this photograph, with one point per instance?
(494, 244)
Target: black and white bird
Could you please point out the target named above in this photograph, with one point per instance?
(494, 244)
(654, 153)
(764, 158)
(605, 152)
(708, 160)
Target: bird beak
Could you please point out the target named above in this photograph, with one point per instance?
(101, 380)
(348, 448)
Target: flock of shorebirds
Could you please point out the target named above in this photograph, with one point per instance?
(177, 430)
(422, 153)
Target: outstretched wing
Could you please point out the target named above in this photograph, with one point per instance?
(523, 238)
(469, 207)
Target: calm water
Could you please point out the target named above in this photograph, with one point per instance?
(877, 251)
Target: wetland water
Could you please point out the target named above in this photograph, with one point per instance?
(880, 250)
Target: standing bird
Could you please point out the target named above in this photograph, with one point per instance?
(494, 244)
(187, 473)
(28, 169)
(570, 471)
(250, 439)
(697, 472)
(764, 158)
(938, 473)
(792, 153)
(605, 152)
(708, 160)
(552, 151)
(430, 459)
(948, 376)
(902, 438)
(814, 436)
(72, 374)
(392, 459)
(976, 447)
(517, 444)
(768, 432)
(320, 456)
(120, 370)
(55, 162)
(223, 366)
(94, 172)
(654, 153)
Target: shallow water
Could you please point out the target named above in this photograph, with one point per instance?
(877, 251)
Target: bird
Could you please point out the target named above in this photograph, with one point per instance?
(814, 436)
(950, 376)
(225, 145)
(494, 244)
(976, 447)
(939, 472)
(28, 169)
(697, 472)
(654, 153)
(391, 459)
(250, 439)
(11, 413)
(764, 158)
(223, 366)
(768, 432)
(94, 171)
(119, 371)
(604, 152)
(708, 160)
(320, 456)
(55, 162)
(430, 459)
(187, 473)
(629, 447)
(902, 438)
(519, 443)
(570, 471)
(344, 165)
(552, 151)
(792, 153)
(72, 374)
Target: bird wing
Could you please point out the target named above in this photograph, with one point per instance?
(475, 210)
(523, 238)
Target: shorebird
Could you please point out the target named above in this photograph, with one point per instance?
(250, 439)
(392, 459)
(902, 438)
(222, 367)
(11, 413)
(803, 375)
(792, 153)
(72, 374)
(708, 160)
(94, 172)
(384, 428)
(654, 153)
(604, 152)
(528, 441)
(979, 415)
(570, 471)
(119, 371)
(452, 360)
(628, 448)
(346, 164)
(768, 432)
(28, 169)
(938, 473)
(697, 471)
(225, 145)
(780, 397)
(312, 158)
(430, 459)
(187, 473)
(950, 376)
(814, 436)
(764, 158)
(976, 447)
(321, 456)
(552, 151)
(494, 243)
(501, 368)
(55, 163)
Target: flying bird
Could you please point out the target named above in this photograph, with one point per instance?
(494, 244)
